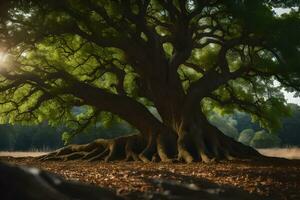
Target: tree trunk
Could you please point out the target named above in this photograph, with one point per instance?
(194, 139)
(198, 140)
(184, 133)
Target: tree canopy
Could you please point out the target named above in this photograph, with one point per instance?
(120, 58)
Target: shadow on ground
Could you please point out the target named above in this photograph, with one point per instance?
(19, 182)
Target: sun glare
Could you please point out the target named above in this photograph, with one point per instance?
(3, 57)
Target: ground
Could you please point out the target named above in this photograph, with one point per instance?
(277, 179)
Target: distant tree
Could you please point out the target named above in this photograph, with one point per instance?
(244, 121)
(24, 138)
(262, 139)
(225, 124)
(119, 58)
(45, 137)
(114, 130)
(246, 136)
(5, 138)
(290, 131)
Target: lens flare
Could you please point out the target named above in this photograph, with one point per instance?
(3, 57)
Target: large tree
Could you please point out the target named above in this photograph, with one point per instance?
(126, 58)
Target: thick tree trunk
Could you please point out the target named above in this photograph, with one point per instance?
(196, 140)
(200, 141)
(184, 133)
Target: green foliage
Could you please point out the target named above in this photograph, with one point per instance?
(44, 138)
(262, 139)
(258, 97)
(245, 122)
(289, 133)
(113, 131)
(28, 138)
(239, 48)
(246, 136)
(226, 124)
(66, 137)
(6, 138)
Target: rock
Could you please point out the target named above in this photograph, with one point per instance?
(202, 190)
(26, 183)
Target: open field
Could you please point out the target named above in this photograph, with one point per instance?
(19, 154)
(289, 153)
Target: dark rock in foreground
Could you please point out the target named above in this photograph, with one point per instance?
(203, 190)
(34, 184)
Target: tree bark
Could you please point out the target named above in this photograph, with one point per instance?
(196, 140)
(200, 141)
(184, 133)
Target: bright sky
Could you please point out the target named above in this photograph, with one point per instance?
(288, 95)
(291, 99)
(280, 11)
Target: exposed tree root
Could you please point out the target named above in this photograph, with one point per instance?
(196, 140)
(127, 148)
(206, 145)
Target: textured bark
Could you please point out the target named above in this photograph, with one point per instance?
(196, 140)
(161, 147)
(200, 141)
(184, 134)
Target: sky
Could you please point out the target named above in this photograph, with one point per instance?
(280, 11)
(288, 95)
(291, 99)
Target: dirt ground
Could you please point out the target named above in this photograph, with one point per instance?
(273, 179)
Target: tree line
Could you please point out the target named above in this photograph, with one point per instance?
(241, 127)
(238, 125)
(43, 137)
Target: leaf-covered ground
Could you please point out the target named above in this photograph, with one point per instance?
(277, 179)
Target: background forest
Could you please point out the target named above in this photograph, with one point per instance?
(238, 126)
